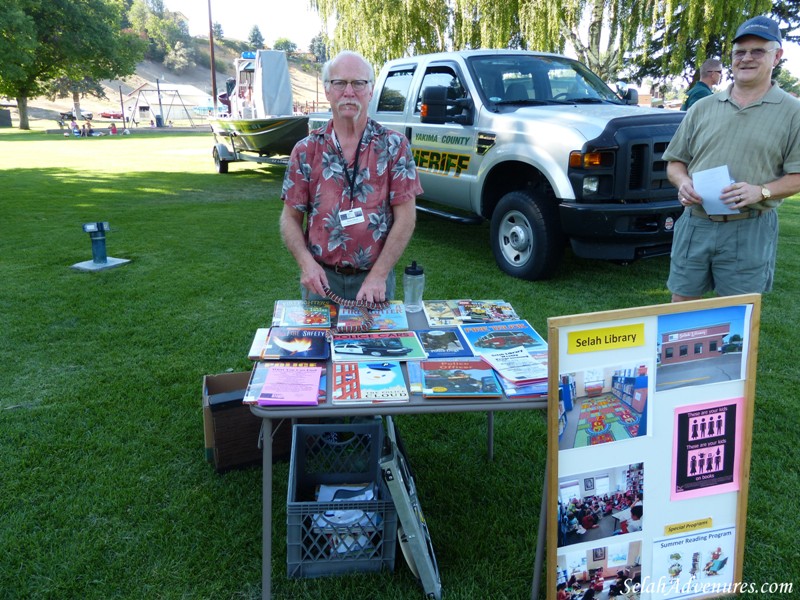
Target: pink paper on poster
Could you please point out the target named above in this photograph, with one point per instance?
(706, 453)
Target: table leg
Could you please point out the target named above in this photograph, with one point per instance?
(538, 561)
(266, 517)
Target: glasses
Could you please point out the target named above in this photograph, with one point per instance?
(340, 85)
(755, 53)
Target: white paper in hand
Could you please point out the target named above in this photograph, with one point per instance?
(708, 184)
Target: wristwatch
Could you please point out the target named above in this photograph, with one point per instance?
(765, 193)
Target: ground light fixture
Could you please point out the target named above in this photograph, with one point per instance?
(100, 261)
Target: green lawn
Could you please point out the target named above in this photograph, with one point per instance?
(104, 489)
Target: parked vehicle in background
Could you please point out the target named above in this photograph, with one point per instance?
(538, 145)
(70, 114)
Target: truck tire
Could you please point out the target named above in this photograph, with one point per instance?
(221, 165)
(526, 237)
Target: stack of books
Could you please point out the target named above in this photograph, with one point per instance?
(516, 351)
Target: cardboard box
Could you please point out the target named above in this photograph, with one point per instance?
(231, 431)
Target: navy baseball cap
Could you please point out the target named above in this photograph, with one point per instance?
(762, 27)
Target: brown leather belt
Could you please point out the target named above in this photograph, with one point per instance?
(343, 270)
(750, 214)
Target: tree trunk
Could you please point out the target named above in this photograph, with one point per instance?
(76, 105)
(22, 107)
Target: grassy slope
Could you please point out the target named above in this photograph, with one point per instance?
(105, 493)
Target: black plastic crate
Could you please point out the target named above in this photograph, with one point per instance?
(342, 535)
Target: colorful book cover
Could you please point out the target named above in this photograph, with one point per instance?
(385, 345)
(285, 385)
(259, 376)
(459, 378)
(441, 313)
(368, 382)
(451, 313)
(485, 311)
(444, 342)
(391, 318)
(300, 343)
(301, 313)
(486, 338)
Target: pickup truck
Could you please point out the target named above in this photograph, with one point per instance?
(540, 146)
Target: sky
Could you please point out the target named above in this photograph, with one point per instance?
(293, 19)
(290, 19)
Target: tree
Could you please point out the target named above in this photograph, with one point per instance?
(161, 28)
(285, 45)
(255, 39)
(664, 35)
(180, 59)
(788, 82)
(217, 32)
(44, 41)
(319, 47)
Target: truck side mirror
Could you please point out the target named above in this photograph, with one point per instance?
(434, 105)
(631, 97)
(628, 95)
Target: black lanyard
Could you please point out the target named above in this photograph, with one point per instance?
(351, 181)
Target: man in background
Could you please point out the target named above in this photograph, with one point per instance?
(710, 75)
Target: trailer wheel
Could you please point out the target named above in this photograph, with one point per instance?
(221, 165)
(526, 236)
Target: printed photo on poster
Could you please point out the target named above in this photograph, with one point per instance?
(691, 565)
(612, 504)
(605, 570)
(706, 449)
(604, 405)
(701, 347)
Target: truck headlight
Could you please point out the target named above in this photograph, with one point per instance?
(590, 185)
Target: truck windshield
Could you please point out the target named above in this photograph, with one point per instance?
(536, 79)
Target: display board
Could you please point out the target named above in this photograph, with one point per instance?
(649, 436)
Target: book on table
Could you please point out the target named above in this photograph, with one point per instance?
(451, 313)
(296, 343)
(291, 386)
(258, 378)
(459, 378)
(385, 345)
(391, 318)
(367, 382)
(499, 344)
(302, 313)
(444, 342)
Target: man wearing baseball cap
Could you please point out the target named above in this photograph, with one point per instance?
(753, 128)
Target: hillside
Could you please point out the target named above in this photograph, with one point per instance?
(302, 71)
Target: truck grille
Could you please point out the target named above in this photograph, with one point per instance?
(639, 172)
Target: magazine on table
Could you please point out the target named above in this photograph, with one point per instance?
(259, 376)
(459, 378)
(444, 342)
(367, 383)
(302, 313)
(385, 345)
(301, 343)
(391, 318)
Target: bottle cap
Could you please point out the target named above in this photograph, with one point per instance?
(413, 269)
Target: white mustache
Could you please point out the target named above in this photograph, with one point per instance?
(344, 103)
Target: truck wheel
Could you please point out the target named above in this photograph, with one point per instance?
(526, 237)
(221, 165)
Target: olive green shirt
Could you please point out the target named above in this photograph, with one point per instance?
(759, 143)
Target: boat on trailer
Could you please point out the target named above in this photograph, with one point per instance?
(260, 125)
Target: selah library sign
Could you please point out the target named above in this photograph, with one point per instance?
(650, 426)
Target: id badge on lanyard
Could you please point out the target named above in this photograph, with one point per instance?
(353, 216)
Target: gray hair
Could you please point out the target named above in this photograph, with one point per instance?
(326, 68)
(711, 64)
